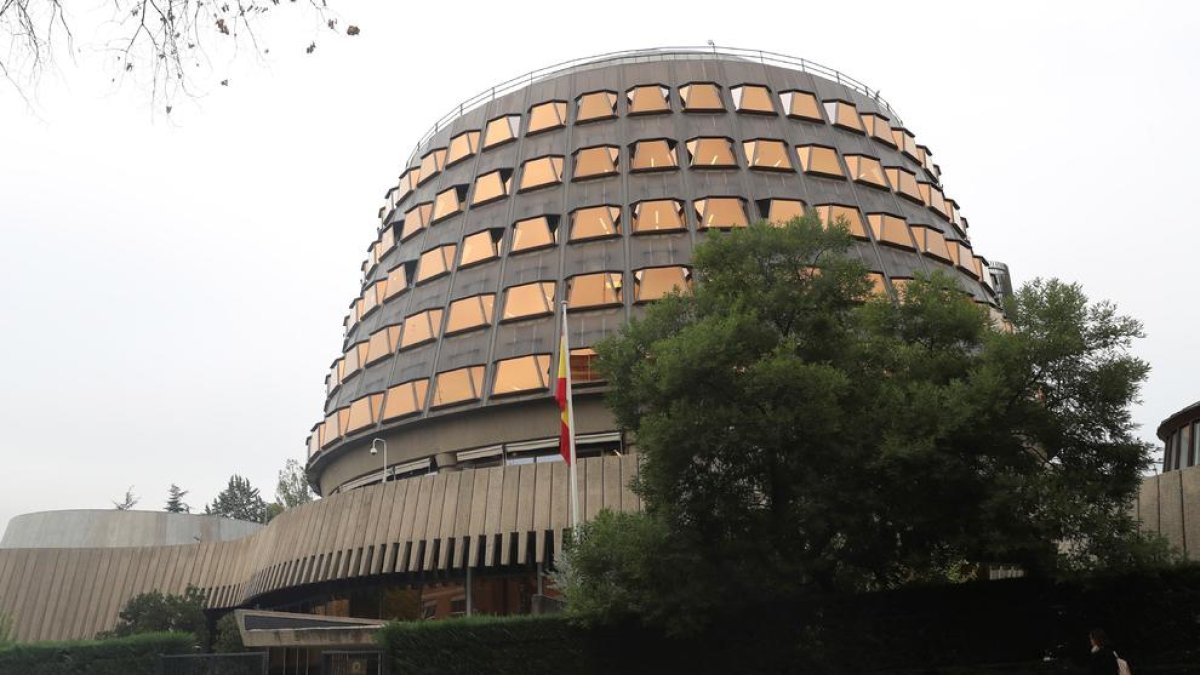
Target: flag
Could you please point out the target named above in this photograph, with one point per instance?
(562, 395)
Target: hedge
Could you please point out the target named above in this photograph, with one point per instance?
(134, 655)
(1011, 626)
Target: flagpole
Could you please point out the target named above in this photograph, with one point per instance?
(566, 346)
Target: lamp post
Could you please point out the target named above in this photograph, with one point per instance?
(375, 443)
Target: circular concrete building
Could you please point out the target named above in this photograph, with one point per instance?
(1180, 434)
(591, 182)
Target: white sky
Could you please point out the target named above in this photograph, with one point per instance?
(171, 292)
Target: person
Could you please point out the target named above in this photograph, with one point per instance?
(1103, 661)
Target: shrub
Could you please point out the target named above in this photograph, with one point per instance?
(134, 655)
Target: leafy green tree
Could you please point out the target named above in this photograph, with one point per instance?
(293, 489)
(155, 612)
(797, 436)
(239, 500)
(175, 503)
(128, 502)
(228, 639)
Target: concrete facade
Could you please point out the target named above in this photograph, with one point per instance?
(109, 528)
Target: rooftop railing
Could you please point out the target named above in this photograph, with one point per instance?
(648, 56)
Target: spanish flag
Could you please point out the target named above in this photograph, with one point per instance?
(562, 393)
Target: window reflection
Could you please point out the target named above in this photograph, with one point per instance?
(866, 170)
(449, 202)
(421, 327)
(462, 146)
(540, 172)
(594, 222)
(720, 212)
(708, 152)
(843, 114)
(405, 399)
(397, 280)
(547, 116)
(904, 182)
(878, 128)
(752, 98)
(501, 130)
(470, 313)
(933, 198)
(596, 162)
(480, 247)
(435, 262)
(820, 160)
(904, 141)
(527, 300)
(492, 186)
(767, 155)
(802, 105)
(382, 344)
(432, 164)
(701, 97)
(655, 282)
(653, 155)
(931, 242)
(889, 229)
(781, 211)
(363, 413)
(850, 216)
(534, 233)
(658, 215)
(648, 98)
(594, 290)
(522, 374)
(415, 219)
(596, 105)
(457, 386)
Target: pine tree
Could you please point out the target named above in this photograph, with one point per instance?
(239, 500)
(175, 503)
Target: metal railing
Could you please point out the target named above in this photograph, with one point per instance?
(647, 56)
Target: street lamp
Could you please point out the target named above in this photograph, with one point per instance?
(375, 443)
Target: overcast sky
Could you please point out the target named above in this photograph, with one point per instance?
(172, 290)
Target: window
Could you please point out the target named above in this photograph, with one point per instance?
(501, 130)
(931, 242)
(585, 366)
(655, 282)
(397, 280)
(435, 262)
(843, 114)
(457, 386)
(594, 290)
(704, 153)
(470, 313)
(405, 399)
(767, 155)
(462, 146)
(866, 170)
(752, 98)
(421, 327)
(448, 202)
(547, 116)
(540, 172)
(492, 186)
(432, 164)
(900, 285)
(780, 211)
(905, 141)
(850, 216)
(481, 246)
(878, 283)
(933, 198)
(654, 155)
(648, 98)
(353, 359)
(371, 297)
(595, 222)
(415, 219)
(596, 162)
(382, 344)
(889, 229)
(364, 412)
(720, 212)
(522, 374)
(534, 233)
(801, 104)
(820, 160)
(526, 300)
(658, 215)
(595, 106)
(878, 128)
(701, 97)
(408, 182)
(331, 429)
(905, 183)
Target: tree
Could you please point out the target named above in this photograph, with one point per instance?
(155, 612)
(228, 639)
(239, 500)
(170, 47)
(797, 438)
(128, 502)
(292, 489)
(6, 630)
(175, 503)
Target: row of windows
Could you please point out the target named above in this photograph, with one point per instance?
(763, 154)
(700, 97)
(1183, 448)
(524, 301)
(652, 217)
(518, 375)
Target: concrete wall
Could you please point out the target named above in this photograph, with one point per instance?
(108, 528)
(1169, 504)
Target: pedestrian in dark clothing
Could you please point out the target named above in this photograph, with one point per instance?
(1103, 660)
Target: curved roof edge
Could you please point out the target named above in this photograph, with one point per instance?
(1191, 411)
